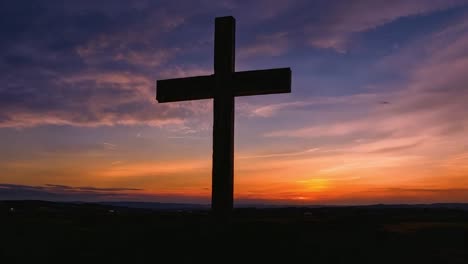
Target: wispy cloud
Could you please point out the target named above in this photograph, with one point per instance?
(283, 154)
(345, 19)
(102, 75)
(270, 110)
(109, 146)
(267, 45)
(155, 169)
(429, 103)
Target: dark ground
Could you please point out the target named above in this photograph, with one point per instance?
(44, 232)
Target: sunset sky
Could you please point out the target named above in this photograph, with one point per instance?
(378, 111)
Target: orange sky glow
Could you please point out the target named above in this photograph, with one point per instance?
(377, 114)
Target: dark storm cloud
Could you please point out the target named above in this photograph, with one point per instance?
(92, 63)
(82, 63)
(60, 192)
(54, 192)
(89, 188)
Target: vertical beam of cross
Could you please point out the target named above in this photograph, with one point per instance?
(223, 117)
(223, 86)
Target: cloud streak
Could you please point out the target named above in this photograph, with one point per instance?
(62, 192)
(348, 18)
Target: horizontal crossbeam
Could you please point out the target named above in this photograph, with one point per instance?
(259, 82)
(183, 89)
(244, 83)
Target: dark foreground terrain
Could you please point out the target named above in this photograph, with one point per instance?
(44, 232)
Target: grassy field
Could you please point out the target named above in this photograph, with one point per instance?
(34, 232)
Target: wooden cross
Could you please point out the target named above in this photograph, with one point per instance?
(223, 86)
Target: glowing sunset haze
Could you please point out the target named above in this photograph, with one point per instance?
(378, 111)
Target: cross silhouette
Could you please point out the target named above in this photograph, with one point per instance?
(223, 86)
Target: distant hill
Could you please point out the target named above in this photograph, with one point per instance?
(104, 205)
(461, 206)
(158, 206)
(187, 206)
(133, 232)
